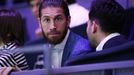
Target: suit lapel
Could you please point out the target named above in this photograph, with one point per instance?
(67, 49)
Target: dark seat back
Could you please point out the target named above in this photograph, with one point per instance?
(80, 30)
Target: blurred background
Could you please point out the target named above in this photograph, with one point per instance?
(29, 20)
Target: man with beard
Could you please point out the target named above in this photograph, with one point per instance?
(54, 19)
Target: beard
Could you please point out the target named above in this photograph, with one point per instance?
(92, 42)
(57, 39)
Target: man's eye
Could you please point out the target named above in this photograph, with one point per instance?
(58, 19)
(47, 20)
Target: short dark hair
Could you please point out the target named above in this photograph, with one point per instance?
(109, 14)
(11, 26)
(70, 1)
(54, 3)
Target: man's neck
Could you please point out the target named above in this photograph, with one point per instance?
(100, 37)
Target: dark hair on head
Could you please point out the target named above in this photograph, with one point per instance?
(54, 3)
(109, 14)
(70, 1)
(11, 26)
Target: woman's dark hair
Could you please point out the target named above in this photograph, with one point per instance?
(11, 26)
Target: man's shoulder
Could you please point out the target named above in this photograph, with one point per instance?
(79, 44)
(119, 39)
(115, 41)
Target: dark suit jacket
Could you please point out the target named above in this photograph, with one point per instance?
(101, 56)
(75, 45)
(115, 41)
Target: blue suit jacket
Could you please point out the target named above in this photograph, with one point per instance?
(75, 45)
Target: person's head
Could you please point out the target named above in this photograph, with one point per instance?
(34, 4)
(54, 19)
(105, 17)
(11, 26)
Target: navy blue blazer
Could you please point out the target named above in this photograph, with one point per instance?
(115, 41)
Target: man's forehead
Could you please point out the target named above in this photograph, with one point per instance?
(52, 16)
(52, 11)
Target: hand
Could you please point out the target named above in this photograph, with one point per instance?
(5, 70)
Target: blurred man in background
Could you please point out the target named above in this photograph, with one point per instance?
(34, 5)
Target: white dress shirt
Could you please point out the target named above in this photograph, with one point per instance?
(100, 46)
(57, 52)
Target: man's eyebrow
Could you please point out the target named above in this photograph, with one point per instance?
(59, 15)
(45, 16)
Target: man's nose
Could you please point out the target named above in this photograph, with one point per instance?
(52, 26)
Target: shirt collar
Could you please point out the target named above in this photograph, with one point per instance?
(100, 46)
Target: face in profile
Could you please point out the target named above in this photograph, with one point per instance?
(35, 7)
(54, 24)
(90, 33)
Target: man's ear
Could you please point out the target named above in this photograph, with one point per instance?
(94, 27)
(68, 21)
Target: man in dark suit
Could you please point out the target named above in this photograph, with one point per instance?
(54, 19)
(106, 20)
